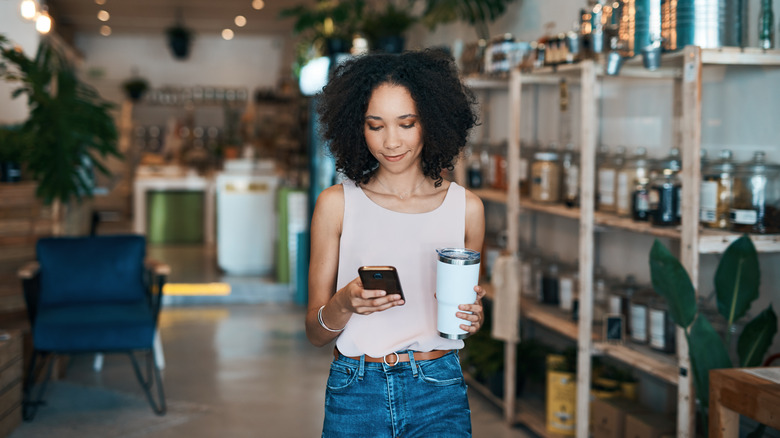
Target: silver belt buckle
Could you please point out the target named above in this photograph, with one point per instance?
(397, 359)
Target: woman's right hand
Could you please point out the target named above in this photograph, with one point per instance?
(355, 299)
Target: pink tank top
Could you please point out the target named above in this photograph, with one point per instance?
(374, 235)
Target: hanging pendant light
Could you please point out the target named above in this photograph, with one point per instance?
(28, 9)
(43, 22)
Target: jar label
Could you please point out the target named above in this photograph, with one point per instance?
(743, 217)
(615, 305)
(709, 202)
(523, 169)
(658, 329)
(623, 193)
(642, 201)
(572, 182)
(639, 323)
(566, 292)
(607, 187)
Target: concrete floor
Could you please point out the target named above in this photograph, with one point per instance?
(246, 362)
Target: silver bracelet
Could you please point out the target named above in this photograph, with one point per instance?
(322, 323)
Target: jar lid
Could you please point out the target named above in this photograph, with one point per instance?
(546, 156)
(458, 256)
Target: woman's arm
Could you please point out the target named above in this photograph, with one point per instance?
(339, 305)
(475, 236)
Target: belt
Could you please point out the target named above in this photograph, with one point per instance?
(393, 359)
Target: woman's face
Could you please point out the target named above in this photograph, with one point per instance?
(392, 128)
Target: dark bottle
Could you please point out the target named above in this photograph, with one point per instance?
(640, 202)
(665, 199)
(766, 26)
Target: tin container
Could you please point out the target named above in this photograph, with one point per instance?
(457, 272)
(708, 24)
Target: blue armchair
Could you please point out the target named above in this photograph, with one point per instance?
(93, 295)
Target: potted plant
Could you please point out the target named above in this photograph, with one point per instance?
(179, 40)
(69, 126)
(736, 281)
(477, 13)
(135, 87)
(385, 27)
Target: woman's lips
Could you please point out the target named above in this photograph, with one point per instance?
(394, 158)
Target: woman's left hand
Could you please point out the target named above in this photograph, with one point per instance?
(477, 316)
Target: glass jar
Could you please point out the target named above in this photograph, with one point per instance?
(620, 300)
(499, 165)
(716, 192)
(546, 177)
(665, 199)
(527, 152)
(570, 165)
(528, 259)
(640, 205)
(627, 176)
(567, 288)
(600, 295)
(607, 180)
(638, 309)
(551, 283)
(756, 202)
(662, 328)
(603, 159)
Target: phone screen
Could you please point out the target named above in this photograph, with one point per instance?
(381, 278)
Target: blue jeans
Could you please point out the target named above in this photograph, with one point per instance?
(410, 399)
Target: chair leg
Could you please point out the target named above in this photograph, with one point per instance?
(30, 404)
(151, 379)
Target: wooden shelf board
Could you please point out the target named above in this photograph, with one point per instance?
(660, 365)
(553, 209)
(487, 83)
(716, 242)
(740, 56)
(550, 317)
(629, 224)
(492, 195)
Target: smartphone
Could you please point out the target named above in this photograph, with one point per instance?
(381, 278)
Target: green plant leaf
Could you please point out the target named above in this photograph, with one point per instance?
(756, 338)
(671, 281)
(707, 352)
(737, 279)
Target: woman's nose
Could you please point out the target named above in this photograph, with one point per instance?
(392, 140)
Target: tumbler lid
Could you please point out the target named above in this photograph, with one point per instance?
(458, 256)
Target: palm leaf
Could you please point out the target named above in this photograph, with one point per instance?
(671, 281)
(737, 279)
(707, 352)
(756, 338)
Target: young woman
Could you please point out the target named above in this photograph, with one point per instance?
(394, 122)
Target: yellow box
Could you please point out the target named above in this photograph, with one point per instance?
(561, 402)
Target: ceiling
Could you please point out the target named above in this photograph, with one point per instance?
(154, 16)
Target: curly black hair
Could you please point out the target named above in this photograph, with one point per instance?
(446, 107)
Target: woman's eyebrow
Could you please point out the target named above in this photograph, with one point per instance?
(405, 116)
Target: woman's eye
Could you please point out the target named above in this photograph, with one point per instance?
(374, 128)
(409, 126)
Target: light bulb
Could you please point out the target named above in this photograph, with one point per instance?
(105, 30)
(28, 9)
(103, 15)
(240, 21)
(227, 34)
(258, 4)
(43, 22)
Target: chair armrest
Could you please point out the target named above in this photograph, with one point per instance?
(29, 270)
(157, 267)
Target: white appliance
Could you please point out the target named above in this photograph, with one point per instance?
(246, 219)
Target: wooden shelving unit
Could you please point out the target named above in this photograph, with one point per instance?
(684, 70)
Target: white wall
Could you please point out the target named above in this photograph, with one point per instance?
(739, 112)
(249, 62)
(22, 33)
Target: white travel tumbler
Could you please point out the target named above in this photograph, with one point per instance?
(457, 272)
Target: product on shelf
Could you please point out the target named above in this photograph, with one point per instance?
(638, 308)
(567, 287)
(608, 166)
(527, 152)
(551, 283)
(634, 169)
(620, 300)
(570, 165)
(661, 327)
(756, 204)
(716, 191)
(766, 26)
(600, 292)
(546, 177)
(665, 199)
(640, 200)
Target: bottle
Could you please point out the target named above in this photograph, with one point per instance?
(551, 283)
(567, 288)
(600, 292)
(638, 308)
(661, 327)
(640, 205)
(756, 201)
(766, 26)
(716, 192)
(665, 199)
(527, 152)
(605, 180)
(571, 177)
(627, 176)
(620, 299)
(546, 177)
